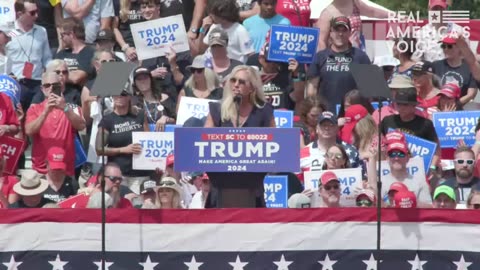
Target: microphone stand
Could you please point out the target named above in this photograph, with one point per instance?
(379, 182)
(238, 100)
(102, 184)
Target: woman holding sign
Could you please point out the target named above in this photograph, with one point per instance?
(118, 127)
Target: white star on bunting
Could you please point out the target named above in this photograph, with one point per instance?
(58, 264)
(327, 264)
(12, 264)
(238, 264)
(148, 264)
(417, 264)
(282, 264)
(462, 265)
(193, 264)
(99, 265)
(371, 263)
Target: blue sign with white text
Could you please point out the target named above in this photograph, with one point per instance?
(171, 128)
(237, 149)
(423, 148)
(80, 155)
(283, 119)
(295, 42)
(276, 191)
(11, 88)
(454, 126)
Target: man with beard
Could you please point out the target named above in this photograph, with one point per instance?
(464, 160)
(113, 178)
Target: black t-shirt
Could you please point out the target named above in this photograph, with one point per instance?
(259, 117)
(120, 128)
(46, 18)
(334, 72)
(71, 94)
(419, 126)
(154, 112)
(134, 16)
(21, 204)
(462, 190)
(460, 75)
(178, 7)
(68, 188)
(80, 61)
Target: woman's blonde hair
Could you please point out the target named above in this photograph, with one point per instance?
(176, 200)
(124, 10)
(257, 98)
(211, 80)
(54, 64)
(364, 132)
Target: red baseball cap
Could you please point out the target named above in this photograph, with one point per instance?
(395, 136)
(170, 160)
(405, 199)
(353, 114)
(56, 158)
(450, 90)
(398, 186)
(367, 193)
(397, 145)
(434, 3)
(327, 177)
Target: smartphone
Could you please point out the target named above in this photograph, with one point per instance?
(56, 89)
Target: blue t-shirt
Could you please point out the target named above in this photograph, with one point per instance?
(334, 72)
(258, 28)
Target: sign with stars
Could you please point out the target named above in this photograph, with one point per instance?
(237, 149)
(240, 239)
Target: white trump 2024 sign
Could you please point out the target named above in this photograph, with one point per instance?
(156, 146)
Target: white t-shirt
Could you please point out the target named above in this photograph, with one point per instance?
(240, 44)
(416, 185)
(198, 201)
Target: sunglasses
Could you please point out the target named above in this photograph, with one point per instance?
(445, 46)
(48, 85)
(328, 188)
(167, 184)
(240, 81)
(109, 60)
(197, 70)
(334, 156)
(462, 161)
(61, 72)
(364, 203)
(476, 206)
(114, 178)
(395, 154)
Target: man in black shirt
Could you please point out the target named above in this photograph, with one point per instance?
(30, 189)
(60, 187)
(407, 121)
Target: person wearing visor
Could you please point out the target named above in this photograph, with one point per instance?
(117, 128)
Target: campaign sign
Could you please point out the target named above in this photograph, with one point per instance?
(154, 38)
(454, 126)
(349, 180)
(237, 149)
(12, 149)
(276, 191)
(171, 128)
(295, 42)
(422, 148)
(156, 146)
(192, 107)
(7, 14)
(283, 119)
(415, 167)
(80, 155)
(11, 88)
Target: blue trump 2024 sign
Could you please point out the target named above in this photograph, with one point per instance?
(237, 149)
(295, 42)
(283, 119)
(454, 126)
(276, 191)
(423, 148)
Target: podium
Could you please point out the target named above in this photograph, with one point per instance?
(236, 190)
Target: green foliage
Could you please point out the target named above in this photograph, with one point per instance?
(422, 6)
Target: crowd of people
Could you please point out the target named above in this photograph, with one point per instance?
(57, 48)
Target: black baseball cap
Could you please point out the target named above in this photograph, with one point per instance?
(326, 115)
(406, 96)
(423, 67)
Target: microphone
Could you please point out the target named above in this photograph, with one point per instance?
(95, 201)
(237, 99)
